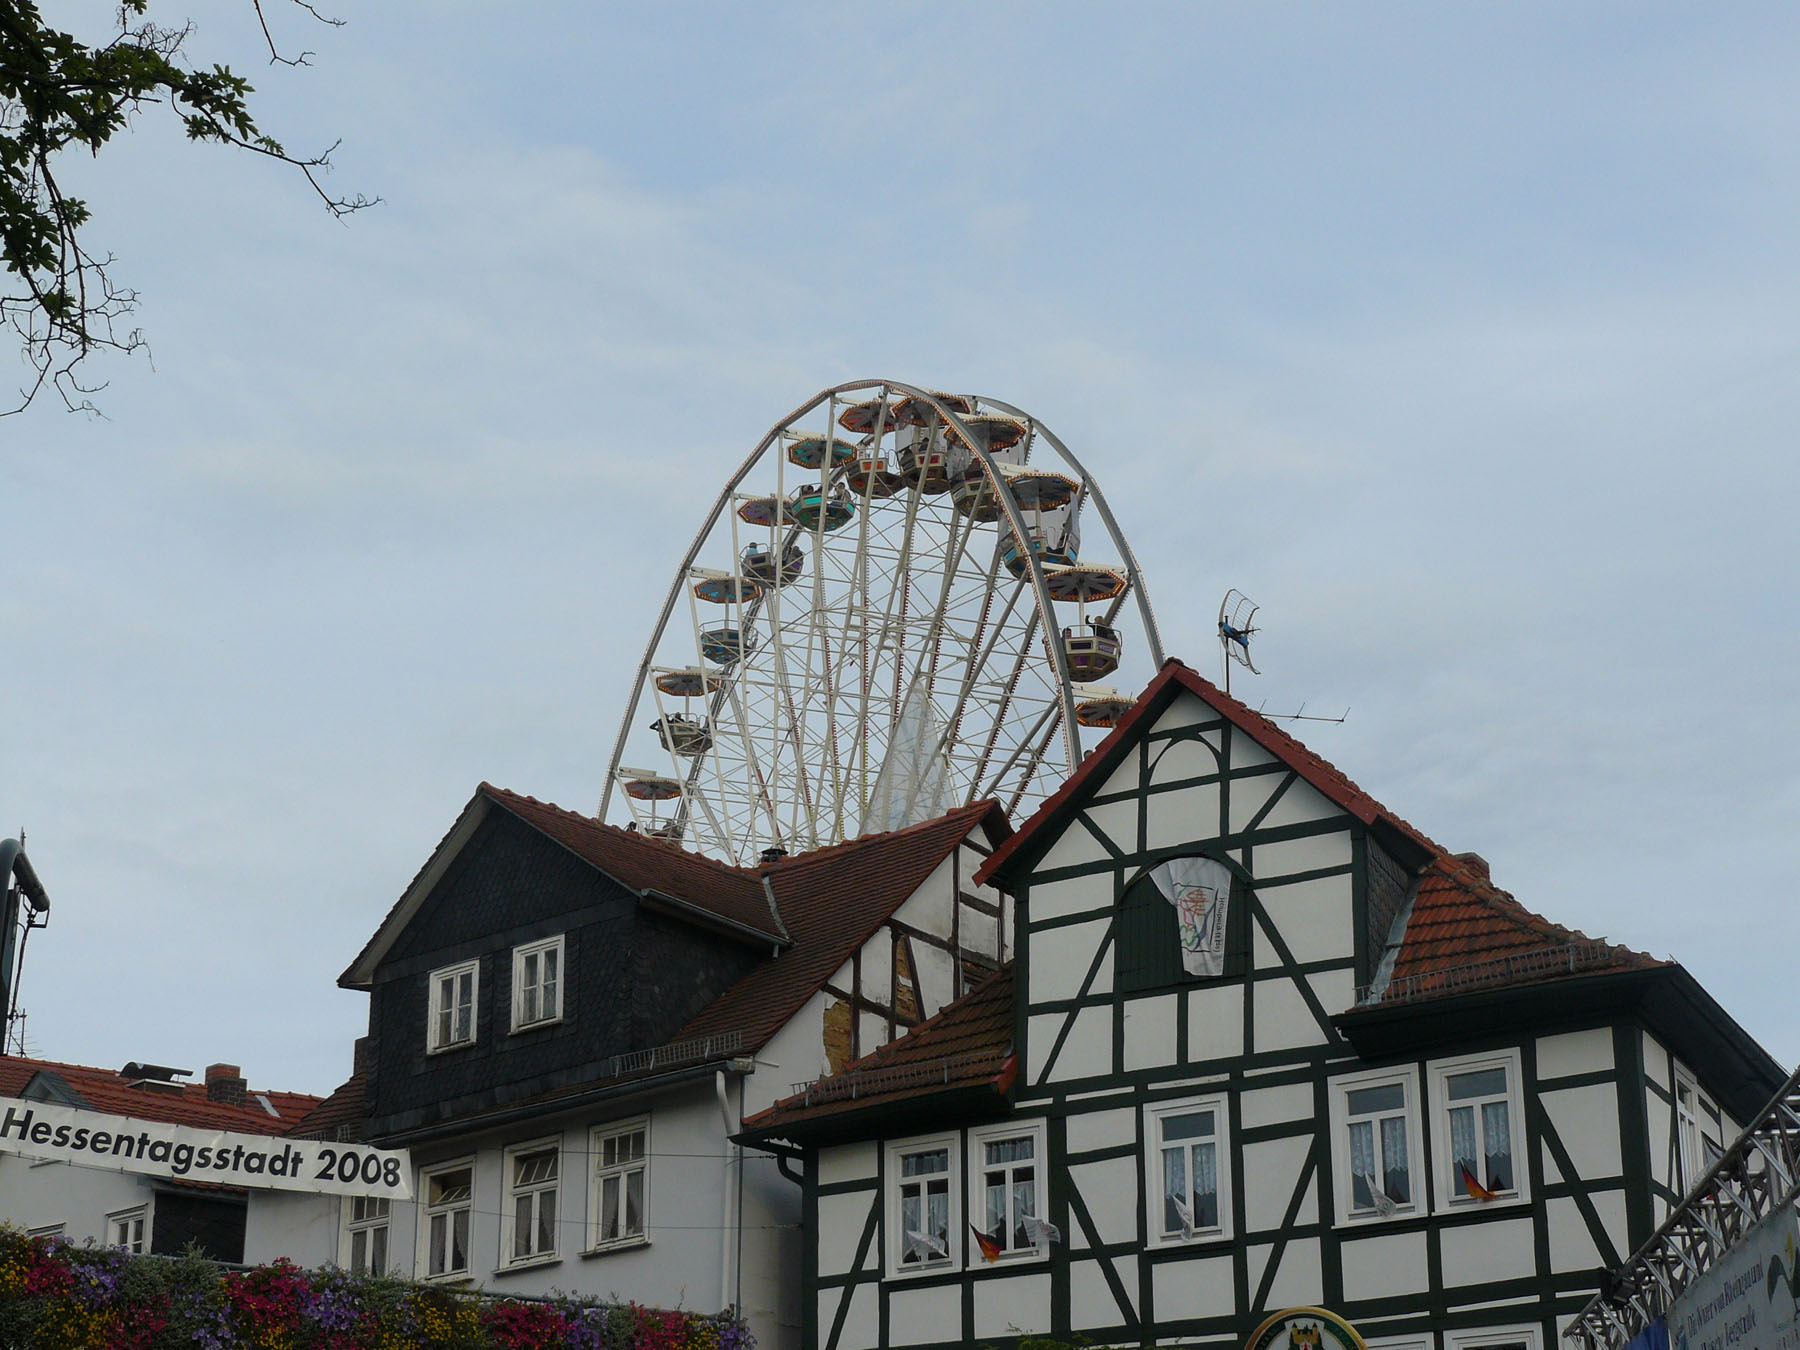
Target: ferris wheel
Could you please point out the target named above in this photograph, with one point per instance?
(887, 613)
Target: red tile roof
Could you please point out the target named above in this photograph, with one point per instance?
(182, 1104)
(338, 1116)
(832, 900)
(1463, 933)
(966, 1045)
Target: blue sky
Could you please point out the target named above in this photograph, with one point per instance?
(1462, 337)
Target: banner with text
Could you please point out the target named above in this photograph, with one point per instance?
(155, 1148)
(1747, 1299)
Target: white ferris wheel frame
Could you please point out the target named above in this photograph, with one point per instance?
(1014, 515)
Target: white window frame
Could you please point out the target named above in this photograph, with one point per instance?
(1343, 1187)
(538, 949)
(1448, 1198)
(139, 1214)
(895, 1245)
(1526, 1333)
(1422, 1340)
(1688, 1149)
(426, 1211)
(509, 1214)
(1153, 1169)
(372, 1221)
(598, 1172)
(433, 1009)
(48, 1230)
(977, 1188)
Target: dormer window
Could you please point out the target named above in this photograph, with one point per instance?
(452, 1017)
(537, 983)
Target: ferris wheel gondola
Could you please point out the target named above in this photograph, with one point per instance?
(885, 642)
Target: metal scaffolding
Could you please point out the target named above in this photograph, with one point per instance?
(1757, 1176)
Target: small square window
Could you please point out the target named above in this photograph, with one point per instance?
(923, 1213)
(1376, 1148)
(529, 1232)
(1476, 1125)
(1187, 1169)
(448, 1195)
(620, 1188)
(453, 1010)
(1008, 1193)
(537, 982)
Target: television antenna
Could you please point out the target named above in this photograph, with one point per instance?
(1237, 625)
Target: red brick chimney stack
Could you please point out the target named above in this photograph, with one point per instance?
(225, 1083)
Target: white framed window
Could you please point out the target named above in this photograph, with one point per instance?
(447, 1195)
(1377, 1151)
(923, 1214)
(528, 1226)
(1187, 1169)
(1009, 1190)
(1525, 1337)
(452, 1017)
(1697, 1128)
(129, 1229)
(619, 1193)
(1422, 1341)
(364, 1249)
(1477, 1131)
(537, 983)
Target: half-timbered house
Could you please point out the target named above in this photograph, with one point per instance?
(1263, 1045)
(568, 1022)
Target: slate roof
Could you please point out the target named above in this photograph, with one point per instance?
(832, 901)
(180, 1104)
(1463, 932)
(967, 1045)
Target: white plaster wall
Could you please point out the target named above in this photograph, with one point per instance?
(1117, 821)
(1315, 918)
(303, 1228)
(1172, 819)
(919, 1316)
(841, 1222)
(1013, 1304)
(1150, 1029)
(1086, 1053)
(1270, 1170)
(929, 908)
(1088, 1130)
(1479, 1253)
(1586, 1119)
(1282, 1021)
(1574, 1052)
(862, 1321)
(1290, 856)
(1299, 1279)
(795, 1054)
(848, 1162)
(1178, 760)
(1071, 895)
(1273, 1105)
(877, 968)
(1060, 958)
(1200, 1286)
(1109, 1189)
(1392, 1265)
(79, 1198)
(1215, 1023)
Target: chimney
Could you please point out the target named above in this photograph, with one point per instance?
(225, 1084)
(774, 853)
(1476, 861)
(362, 1057)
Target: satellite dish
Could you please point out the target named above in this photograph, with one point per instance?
(1237, 625)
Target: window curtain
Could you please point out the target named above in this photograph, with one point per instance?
(1497, 1130)
(1362, 1164)
(1397, 1178)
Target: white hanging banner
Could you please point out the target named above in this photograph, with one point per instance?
(1749, 1298)
(52, 1133)
(1200, 890)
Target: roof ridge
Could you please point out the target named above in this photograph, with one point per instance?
(502, 795)
(826, 851)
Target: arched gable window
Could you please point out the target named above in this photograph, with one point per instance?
(1171, 931)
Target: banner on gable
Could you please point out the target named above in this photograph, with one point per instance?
(51, 1133)
(1200, 890)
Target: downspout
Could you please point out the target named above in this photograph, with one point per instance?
(727, 1298)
